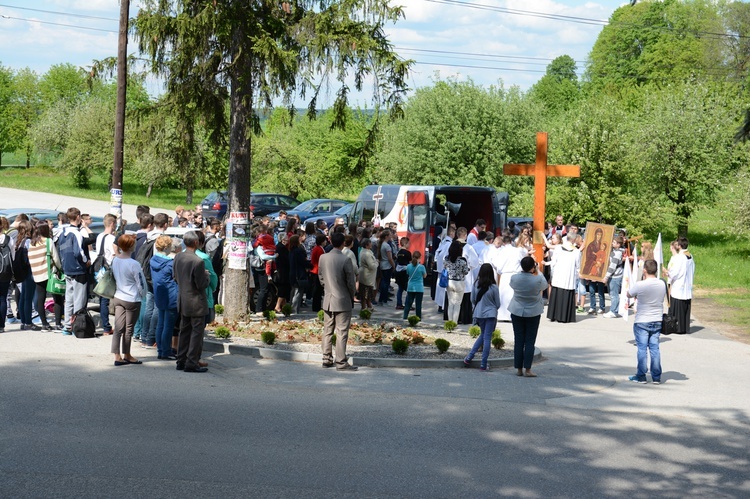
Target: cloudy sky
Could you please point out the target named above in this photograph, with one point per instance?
(485, 40)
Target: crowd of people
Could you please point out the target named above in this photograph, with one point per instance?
(167, 287)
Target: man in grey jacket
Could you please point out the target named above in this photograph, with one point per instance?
(336, 275)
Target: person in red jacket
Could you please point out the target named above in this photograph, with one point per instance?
(317, 288)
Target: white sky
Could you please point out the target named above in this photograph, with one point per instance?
(516, 48)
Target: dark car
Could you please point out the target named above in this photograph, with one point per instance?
(342, 212)
(314, 208)
(97, 223)
(261, 204)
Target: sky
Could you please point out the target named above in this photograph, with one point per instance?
(508, 41)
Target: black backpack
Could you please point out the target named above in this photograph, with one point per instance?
(21, 267)
(6, 261)
(217, 255)
(83, 324)
(144, 258)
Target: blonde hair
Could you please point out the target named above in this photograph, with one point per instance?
(647, 250)
(163, 244)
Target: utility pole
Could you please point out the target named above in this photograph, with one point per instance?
(115, 190)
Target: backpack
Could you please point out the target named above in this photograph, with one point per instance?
(83, 324)
(6, 261)
(70, 254)
(144, 258)
(21, 267)
(217, 255)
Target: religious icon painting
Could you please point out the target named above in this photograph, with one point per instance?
(597, 246)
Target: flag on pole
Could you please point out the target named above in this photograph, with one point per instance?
(626, 276)
(658, 256)
(636, 275)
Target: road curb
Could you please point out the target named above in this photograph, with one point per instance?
(287, 355)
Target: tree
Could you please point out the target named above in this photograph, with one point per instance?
(685, 134)
(62, 82)
(91, 140)
(10, 132)
(26, 105)
(558, 89)
(659, 42)
(459, 133)
(255, 52)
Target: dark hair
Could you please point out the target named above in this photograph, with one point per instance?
(140, 210)
(24, 232)
(482, 235)
(320, 239)
(486, 277)
(310, 228)
(527, 264)
(73, 213)
(62, 218)
(415, 258)
(41, 230)
(366, 242)
(454, 251)
(201, 238)
(348, 240)
(683, 242)
(650, 267)
(480, 221)
(161, 220)
(294, 242)
(146, 219)
(337, 239)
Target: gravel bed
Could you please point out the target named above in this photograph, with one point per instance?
(461, 344)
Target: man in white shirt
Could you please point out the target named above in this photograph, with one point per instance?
(650, 293)
(506, 262)
(680, 273)
(482, 245)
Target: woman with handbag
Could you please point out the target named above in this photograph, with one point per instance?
(526, 309)
(43, 258)
(457, 268)
(131, 289)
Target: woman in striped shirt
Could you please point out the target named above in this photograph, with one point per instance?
(42, 253)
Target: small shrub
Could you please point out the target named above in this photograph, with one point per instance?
(321, 315)
(222, 332)
(286, 310)
(219, 309)
(365, 314)
(442, 345)
(450, 326)
(268, 337)
(400, 345)
(497, 340)
(269, 315)
(475, 331)
(413, 320)
(415, 337)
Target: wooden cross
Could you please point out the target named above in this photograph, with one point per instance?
(377, 197)
(540, 170)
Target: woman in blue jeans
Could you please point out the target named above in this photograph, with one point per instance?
(165, 295)
(485, 297)
(525, 309)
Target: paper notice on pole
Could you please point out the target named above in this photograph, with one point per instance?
(237, 234)
(115, 202)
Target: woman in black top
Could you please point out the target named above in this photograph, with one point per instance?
(281, 275)
(298, 266)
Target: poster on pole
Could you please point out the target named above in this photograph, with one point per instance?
(237, 235)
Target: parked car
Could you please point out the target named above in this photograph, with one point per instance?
(342, 212)
(97, 223)
(314, 208)
(261, 204)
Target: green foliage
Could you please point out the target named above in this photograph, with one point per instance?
(442, 345)
(268, 337)
(365, 314)
(413, 320)
(91, 143)
(400, 345)
(558, 89)
(450, 326)
(497, 340)
(223, 333)
(269, 315)
(286, 309)
(321, 315)
(219, 309)
(475, 331)
(11, 128)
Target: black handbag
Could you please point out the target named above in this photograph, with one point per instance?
(668, 321)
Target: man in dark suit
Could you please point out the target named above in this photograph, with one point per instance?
(192, 304)
(336, 274)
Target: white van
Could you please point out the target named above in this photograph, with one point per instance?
(419, 209)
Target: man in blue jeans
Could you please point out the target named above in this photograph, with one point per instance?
(650, 293)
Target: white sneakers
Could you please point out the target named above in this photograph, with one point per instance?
(610, 315)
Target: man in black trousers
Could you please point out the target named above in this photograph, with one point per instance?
(192, 304)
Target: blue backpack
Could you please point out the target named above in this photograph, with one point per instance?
(70, 254)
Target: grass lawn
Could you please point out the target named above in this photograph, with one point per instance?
(52, 181)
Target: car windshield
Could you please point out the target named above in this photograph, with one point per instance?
(344, 210)
(307, 205)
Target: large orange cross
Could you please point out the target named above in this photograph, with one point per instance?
(540, 170)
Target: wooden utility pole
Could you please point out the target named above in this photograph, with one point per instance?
(115, 190)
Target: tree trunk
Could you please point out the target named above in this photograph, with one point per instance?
(28, 156)
(236, 281)
(683, 214)
(148, 191)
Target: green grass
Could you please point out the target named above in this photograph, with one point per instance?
(43, 179)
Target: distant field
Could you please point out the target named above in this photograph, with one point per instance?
(49, 180)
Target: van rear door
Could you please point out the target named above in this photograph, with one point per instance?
(418, 220)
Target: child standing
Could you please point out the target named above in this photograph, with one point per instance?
(416, 273)
(403, 257)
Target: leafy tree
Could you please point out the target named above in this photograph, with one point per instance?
(50, 133)
(26, 106)
(62, 82)
(558, 89)
(255, 52)
(91, 141)
(460, 133)
(658, 42)
(685, 136)
(10, 132)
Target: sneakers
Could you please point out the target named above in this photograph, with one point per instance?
(592, 311)
(656, 381)
(485, 368)
(636, 379)
(610, 315)
(601, 311)
(580, 310)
